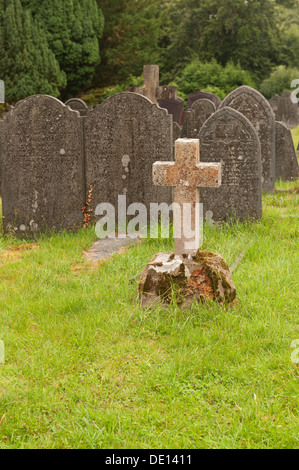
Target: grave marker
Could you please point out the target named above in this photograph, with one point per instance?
(286, 163)
(186, 175)
(258, 111)
(151, 89)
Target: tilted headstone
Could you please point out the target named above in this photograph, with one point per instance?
(42, 166)
(124, 136)
(199, 112)
(285, 110)
(286, 163)
(78, 105)
(2, 92)
(258, 111)
(151, 89)
(202, 95)
(186, 175)
(174, 107)
(228, 137)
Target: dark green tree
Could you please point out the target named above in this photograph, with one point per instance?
(27, 65)
(243, 32)
(73, 29)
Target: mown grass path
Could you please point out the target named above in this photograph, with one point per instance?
(86, 367)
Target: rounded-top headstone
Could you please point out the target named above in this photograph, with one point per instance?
(228, 137)
(199, 112)
(258, 111)
(77, 105)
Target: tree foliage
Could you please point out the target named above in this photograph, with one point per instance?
(27, 64)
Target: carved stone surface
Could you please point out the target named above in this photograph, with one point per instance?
(286, 163)
(258, 111)
(228, 137)
(174, 107)
(124, 136)
(42, 166)
(78, 105)
(185, 280)
(202, 95)
(199, 112)
(285, 110)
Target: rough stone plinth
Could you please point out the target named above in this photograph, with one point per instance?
(186, 279)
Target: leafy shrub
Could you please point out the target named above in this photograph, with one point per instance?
(279, 81)
(212, 77)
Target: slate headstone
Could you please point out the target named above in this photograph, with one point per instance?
(199, 112)
(42, 166)
(285, 110)
(228, 137)
(286, 163)
(124, 136)
(257, 109)
(202, 95)
(78, 105)
(174, 107)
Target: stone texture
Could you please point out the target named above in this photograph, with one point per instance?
(202, 95)
(285, 110)
(151, 88)
(174, 107)
(258, 111)
(186, 279)
(42, 166)
(228, 137)
(124, 136)
(199, 112)
(176, 135)
(78, 105)
(107, 247)
(286, 163)
(186, 175)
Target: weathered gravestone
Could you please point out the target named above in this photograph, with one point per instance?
(199, 112)
(285, 110)
(228, 137)
(151, 89)
(258, 111)
(286, 163)
(78, 105)
(124, 136)
(174, 107)
(194, 275)
(202, 95)
(42, 166)
(176, 134)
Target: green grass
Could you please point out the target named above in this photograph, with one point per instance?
(295, 134)
(86, 367)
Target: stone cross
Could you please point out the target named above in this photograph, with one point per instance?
(186, 175)
(2, 95)
(151, 88)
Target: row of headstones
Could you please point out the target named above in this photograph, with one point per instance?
(51, 156)
(278, 155)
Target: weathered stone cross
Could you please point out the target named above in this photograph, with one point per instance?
(151, 88)
(186, 175)
(2, 97)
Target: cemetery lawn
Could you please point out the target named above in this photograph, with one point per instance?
(85, 367)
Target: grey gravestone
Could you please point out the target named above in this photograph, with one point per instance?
(124, 136)
(78, 105)
(199, 112)
(257, 109)
(202, 95)
(2, 92)
(228, 137)
(285, 110)
(286, 163)
(176, 134)
(42, 166)
(174, 107)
